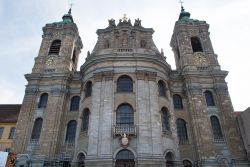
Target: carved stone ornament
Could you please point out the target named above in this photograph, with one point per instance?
(124, 140)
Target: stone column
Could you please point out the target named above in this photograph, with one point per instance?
(106, 112)
(94, 119)
(144, 145)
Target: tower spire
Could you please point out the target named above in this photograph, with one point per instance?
(67, 18)
(183, 14)
(181, 2)
(69, 12)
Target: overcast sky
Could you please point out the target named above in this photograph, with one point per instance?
(22, 22)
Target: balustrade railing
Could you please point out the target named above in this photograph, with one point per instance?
(124, 129)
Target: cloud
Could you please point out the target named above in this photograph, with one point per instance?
(21, 34)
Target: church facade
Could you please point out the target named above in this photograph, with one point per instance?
(126, 106)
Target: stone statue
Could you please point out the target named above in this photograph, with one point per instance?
(137, 22)
(112, 23)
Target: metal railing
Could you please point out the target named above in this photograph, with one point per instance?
(124, 129)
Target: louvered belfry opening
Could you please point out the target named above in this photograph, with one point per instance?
(55, 47)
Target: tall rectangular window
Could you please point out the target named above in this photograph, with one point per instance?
(1, 132)
(12, 133)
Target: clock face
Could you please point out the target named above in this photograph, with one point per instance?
(50, 61)
(200, 59)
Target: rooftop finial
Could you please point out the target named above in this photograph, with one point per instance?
(124, 17)
(181, 2)
(69, 12)
(183, 15)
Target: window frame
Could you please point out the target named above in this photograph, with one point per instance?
(125, 154)
(37, 127)
(71, 133)
(209, 98)
(124, 84)
(216, 128)
(182, 131)
(12, 133)
(85, 119)
(75, 103)
(165, 119)
(43, 101)
(162, 88)
(1, 132)
(88, 89)
(125, 116)
(178, 103)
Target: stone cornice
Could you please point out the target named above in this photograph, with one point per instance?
(143, 74)
(31, 89)
(51, 76)
(221, 88)
(126, 57)
(107, 75)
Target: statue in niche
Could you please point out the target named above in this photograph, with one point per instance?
(124, 41)
(137, 22)
(143, 44)
(112, 23)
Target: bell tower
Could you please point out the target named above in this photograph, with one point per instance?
(60, 47)
(48, 89)
(203, 86)
(191, 44)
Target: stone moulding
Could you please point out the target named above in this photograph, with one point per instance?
(143, 74)
(107, 75)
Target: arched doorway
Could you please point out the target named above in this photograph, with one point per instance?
(125, 158)
(80, 160)
(187, 163)
(169, 159)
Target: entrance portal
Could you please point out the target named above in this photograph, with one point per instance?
(125, 158)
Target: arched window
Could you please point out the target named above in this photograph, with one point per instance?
(124, 115)
(80, 160)
(196, 44)
(169, 159)
(182, 131)
(37, 128)
(71, 132)
(124, 84)
(125, 158)
(177, 102)
(187, 163)
(55, 47)
(162, 88)
(209, 98)
(74, 104)
(217, 133)
(85, 119)
(43, 100)
(165, 119)
(88, 89)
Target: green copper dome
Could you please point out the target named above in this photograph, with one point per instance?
(67, 18)
(184, 14)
